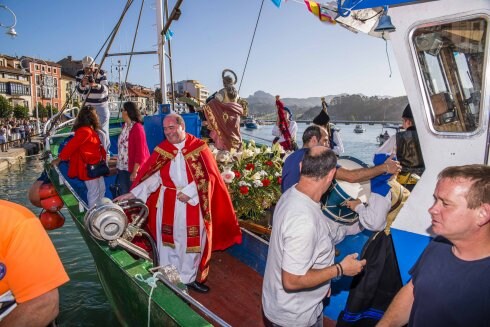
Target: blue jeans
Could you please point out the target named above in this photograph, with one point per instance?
(123, 182)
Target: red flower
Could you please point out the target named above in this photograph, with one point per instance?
(266, 182)
(250, 166)
(279, 180)
(237, 174)
(269, 163)
(244, 190)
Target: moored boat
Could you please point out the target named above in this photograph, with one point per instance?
(359, 129)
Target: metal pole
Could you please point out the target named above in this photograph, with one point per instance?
(172, 91)
(161, 52)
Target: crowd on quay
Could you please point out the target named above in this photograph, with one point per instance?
(15, 133)
(191, 215)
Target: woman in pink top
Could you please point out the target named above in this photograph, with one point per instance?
(132, 148)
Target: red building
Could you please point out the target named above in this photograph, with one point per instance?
(45, 82)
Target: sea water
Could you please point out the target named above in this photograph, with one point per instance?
(82, 300)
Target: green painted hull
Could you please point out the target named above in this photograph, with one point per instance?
(117, 269)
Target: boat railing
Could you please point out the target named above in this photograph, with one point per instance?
(208, 313)
(49, 123)
(47, 140)
(82, 205)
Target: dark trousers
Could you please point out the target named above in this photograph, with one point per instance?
(122, 183)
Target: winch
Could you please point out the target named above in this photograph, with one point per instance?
(108, 222)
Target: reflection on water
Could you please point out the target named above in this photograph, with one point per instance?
(82, 300)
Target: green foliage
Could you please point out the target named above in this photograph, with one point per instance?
(21, 112)
(253, 178)
(41, 111)
(5, 107)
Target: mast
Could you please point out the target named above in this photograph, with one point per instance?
(161, 51)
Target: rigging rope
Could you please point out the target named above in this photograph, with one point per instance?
(250, 48)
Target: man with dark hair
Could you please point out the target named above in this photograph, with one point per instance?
(449, 285)
(312, 136)
(300, 262)
(406, 145)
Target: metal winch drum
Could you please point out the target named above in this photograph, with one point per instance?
(333, 201)
(106, 222)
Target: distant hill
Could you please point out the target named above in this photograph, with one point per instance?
(341, 107)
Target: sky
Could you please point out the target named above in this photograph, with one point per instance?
(293, 54)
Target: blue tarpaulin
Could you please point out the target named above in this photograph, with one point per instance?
(364, 4)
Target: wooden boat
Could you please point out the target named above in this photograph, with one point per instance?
(236, 273)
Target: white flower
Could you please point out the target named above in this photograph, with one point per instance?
(228, 176)
(277, 174)
(247, 153)
(256, 176)
(243, 183)
(258, 183)
(246, 172)
(263, 173)
(268, 150)
(257, 151)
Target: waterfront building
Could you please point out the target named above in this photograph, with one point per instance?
(195, 89)
(45, 82)
(15, 82)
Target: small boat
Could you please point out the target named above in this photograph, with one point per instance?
(384, 136)
(251, 123)
(359, 129)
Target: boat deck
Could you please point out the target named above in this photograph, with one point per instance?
(236, 292)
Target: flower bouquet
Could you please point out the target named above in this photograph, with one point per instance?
(253, 177)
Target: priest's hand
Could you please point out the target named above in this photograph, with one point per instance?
(182, 197)
(123, 197)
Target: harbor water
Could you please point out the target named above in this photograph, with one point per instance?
(82, 300)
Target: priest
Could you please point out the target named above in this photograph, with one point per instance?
(190, 210)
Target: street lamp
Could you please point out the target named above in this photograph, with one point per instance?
(10, 28)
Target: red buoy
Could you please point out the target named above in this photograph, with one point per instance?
(52, 204)
(51, 220)
(47, 191)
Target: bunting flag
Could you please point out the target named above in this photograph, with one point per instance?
(277, 3)
(169, 35)
(320, 12)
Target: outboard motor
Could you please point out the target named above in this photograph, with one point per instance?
(108, 222)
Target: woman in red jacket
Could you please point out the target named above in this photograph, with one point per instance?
(85, 148)
(132, 150)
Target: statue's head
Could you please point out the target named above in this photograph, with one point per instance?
(228, 93)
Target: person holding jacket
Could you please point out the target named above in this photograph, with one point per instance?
(132, 148)
(85, 149)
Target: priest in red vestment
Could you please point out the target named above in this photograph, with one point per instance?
(190, 210)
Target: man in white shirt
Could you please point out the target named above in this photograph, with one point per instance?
(300, 263)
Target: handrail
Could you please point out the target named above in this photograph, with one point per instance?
(47, 126)
(208, 313)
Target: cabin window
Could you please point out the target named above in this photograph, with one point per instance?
(451, 58)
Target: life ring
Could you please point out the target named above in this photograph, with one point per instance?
(51, 220)
(52, 204)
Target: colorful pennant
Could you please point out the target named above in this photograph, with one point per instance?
(169, 35)
(277, 3)
(320, 12)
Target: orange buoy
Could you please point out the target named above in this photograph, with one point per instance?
(47, 191)
(52, 204)
(51, 220)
